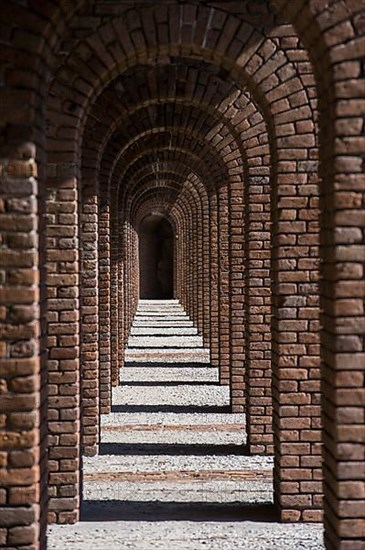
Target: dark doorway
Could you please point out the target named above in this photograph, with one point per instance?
(156, 252)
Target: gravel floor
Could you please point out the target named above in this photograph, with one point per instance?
(173, 472)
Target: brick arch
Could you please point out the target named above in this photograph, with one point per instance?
(293, 87)
(333, 34)
(116, 224)
(224, 199)
(255, 171)
(147, 188)
(329, 32)
(89, 296)
(91, 51)
(115, 247)
(202, 192)
(184, 209)
(118, 120)
(89, 377)
(30, 45)
(115, 106)
(253, 156)
(252, 153)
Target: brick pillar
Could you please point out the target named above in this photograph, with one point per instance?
(206, 268)
(135, 275)
(342, 282)
(194, 258)
(183, 263)
(190, 261)
(258, 315)
(104, 306)
(176, 258)
(114, 280)
(295, 346)
(63, 348)
(214, 278)
(185, 257)
(200, 252)
(122, 293)
(89, 320)
(20, 379)
(224, 267)
(178, 253)
(237, 313)
(198, 255)
(343, 371)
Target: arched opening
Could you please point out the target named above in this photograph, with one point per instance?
(156, 255)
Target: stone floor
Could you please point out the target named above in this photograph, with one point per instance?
(173, 471)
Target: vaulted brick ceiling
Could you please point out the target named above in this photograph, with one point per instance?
(192, 107)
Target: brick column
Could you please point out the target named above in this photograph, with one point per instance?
(236, 293)
(124, 287)
(295, 346)
(114, 280)
(63, 347)
(104, 305)
(342, 223)
(20, 378)
(122, 293)
(189, 260)
(89, 319)
(214, 275)
(199, 259)
(206, 267)
(224, 266)
(258, 315)
(183, 262)
(194, 239)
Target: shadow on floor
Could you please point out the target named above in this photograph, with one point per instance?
(180, 409)
(114, 510)
(172, 449)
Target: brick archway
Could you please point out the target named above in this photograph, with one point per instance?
(254, 112)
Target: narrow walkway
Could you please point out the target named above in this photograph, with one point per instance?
(173, 473)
